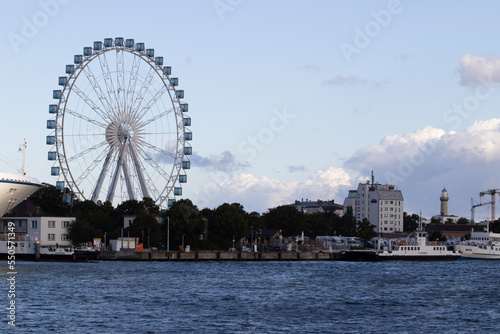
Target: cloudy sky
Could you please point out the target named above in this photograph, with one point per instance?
(288, 99)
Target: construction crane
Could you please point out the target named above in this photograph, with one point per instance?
(473, 208)
(491, 192)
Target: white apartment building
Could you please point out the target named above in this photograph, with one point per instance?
(50, 231)
(382, 205)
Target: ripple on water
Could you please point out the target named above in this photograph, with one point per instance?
(264, 297)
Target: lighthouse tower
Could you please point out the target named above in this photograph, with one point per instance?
(444, 202)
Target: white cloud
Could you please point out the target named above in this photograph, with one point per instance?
(261, 193)
(476, 70)
(421, 163)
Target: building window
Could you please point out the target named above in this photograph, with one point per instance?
(34, 224)
(65, 224)
(52, 224)
(64, 237)
(51, 237)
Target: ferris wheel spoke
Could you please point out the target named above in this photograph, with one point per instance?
(85, 118)
(91, 167)
(85, 152)
(120, 80)
(89, 102)
(156, 149)
(157, 117)
(108, 80)
(99, 92)
(142, 91)
(151, 162)
(151, 102)
(132, 83)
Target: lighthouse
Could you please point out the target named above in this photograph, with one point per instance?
(444, 202)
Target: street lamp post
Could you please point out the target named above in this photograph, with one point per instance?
(168, 234)
(251, 238)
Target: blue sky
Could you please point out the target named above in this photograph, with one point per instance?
(288, 99)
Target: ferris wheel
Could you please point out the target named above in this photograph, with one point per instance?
(119, 128)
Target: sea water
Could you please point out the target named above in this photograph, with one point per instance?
(253, 297)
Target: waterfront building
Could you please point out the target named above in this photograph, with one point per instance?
(49, 231)
(310, 207)
(381, 204)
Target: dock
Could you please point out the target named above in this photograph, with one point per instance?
(209, 256)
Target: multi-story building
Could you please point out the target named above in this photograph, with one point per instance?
(50, 231)
(381, 204)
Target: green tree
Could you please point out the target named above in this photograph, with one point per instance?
(286, 218)
(495, 226)
(227, 222)
(437, 236)
(347, 224)
(93, 221)
(318, 224)
(436, 221)
(366, 230)
(187, 221)
(146, 227)
(462, 221)
(410, 222)
(50, 200)
(449, 221)
(82, 231)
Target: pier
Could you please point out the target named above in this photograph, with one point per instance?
(210, 256)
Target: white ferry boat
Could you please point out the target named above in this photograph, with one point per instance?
(418, 250)
(481, 246)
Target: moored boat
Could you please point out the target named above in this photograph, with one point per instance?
(481, 246)
(418, 250)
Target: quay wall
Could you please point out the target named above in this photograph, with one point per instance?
(218, 256)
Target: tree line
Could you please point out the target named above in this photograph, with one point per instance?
(202, 229)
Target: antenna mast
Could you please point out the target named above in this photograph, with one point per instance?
(22, 148)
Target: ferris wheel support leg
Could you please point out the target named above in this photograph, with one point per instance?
(127, 181)
(102, 176)
(140, 175)
(112, 188)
